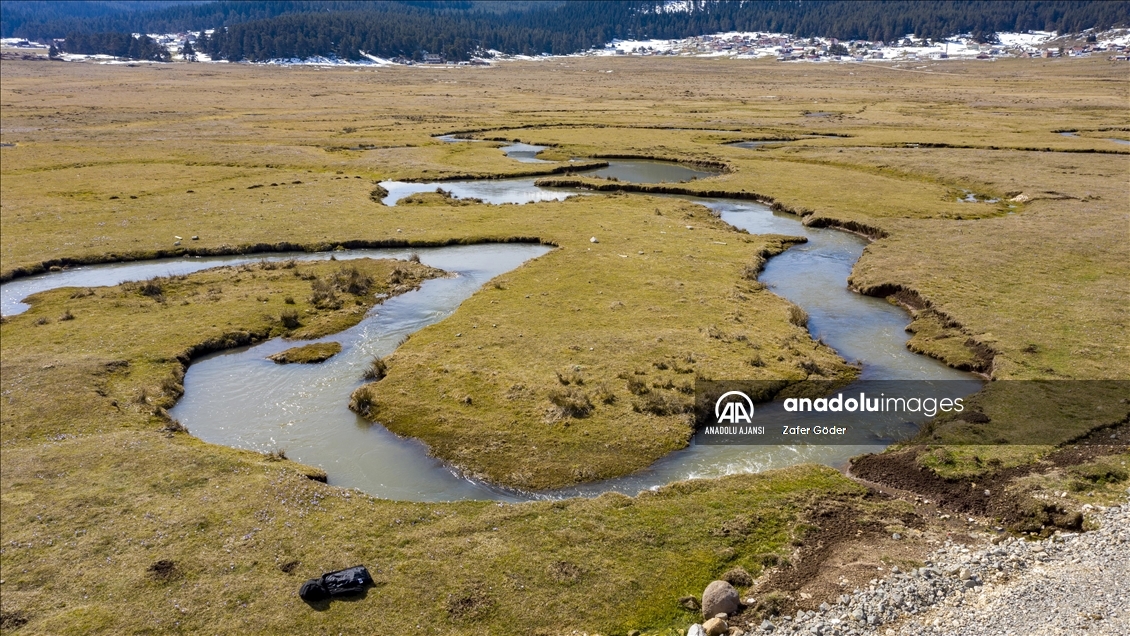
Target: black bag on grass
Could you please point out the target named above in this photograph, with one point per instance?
(352, 580)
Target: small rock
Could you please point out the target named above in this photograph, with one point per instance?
(196, 238)
(593, 240)
(689, 603)
(896, 536)
(176, 243)
(696, 630)
(766, 626)
(719, 598)
(715, 627)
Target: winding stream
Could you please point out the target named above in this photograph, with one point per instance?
(238, 398)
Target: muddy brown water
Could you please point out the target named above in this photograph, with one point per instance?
(239, 398)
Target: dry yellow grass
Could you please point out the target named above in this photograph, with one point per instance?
(90, 489)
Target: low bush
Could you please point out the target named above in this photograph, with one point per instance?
(659, 403)
(377, 370)
(798, 316)
(289, 319)
(571, 402)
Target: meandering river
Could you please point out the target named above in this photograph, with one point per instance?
(239, 398)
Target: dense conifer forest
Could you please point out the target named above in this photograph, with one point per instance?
(265, 30)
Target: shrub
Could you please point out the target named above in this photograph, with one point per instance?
(289, 300)
(324, 295)
(377, 370)
(351, 280)
(808, 366)
(738, 577)
(151, 288)
(398, 275)
(604, 394)
(171, 388)
(67, 315)
(289, 318)
(658, 403)
(362, 401)
(798, 316)
(276, 455)
(571, 402)
(637, 386)
(174, 426)
(570, 378)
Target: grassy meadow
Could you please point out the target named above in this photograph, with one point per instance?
(568, 369)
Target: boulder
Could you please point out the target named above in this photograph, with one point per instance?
(719, 598)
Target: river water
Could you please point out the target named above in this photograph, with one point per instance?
(239, 398)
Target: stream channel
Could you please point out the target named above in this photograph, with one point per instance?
(239, 398)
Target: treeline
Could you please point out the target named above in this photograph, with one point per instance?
(116, 44)
(579, 25)
(41, 20)
(388, 34)
(883, 20)
(261, 30)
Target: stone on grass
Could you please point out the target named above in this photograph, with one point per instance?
(719, 598)
(715, 627)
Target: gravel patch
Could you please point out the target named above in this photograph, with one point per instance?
(1067, 584)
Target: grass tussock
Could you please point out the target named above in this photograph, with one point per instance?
(376, 370)
(289, 317)
(571, 402)
(798, 316)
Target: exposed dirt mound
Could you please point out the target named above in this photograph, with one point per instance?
(986, 495)
(163, 570)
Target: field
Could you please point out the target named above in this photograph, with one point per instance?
(566, 370)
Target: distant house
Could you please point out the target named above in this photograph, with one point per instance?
(433, 58)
